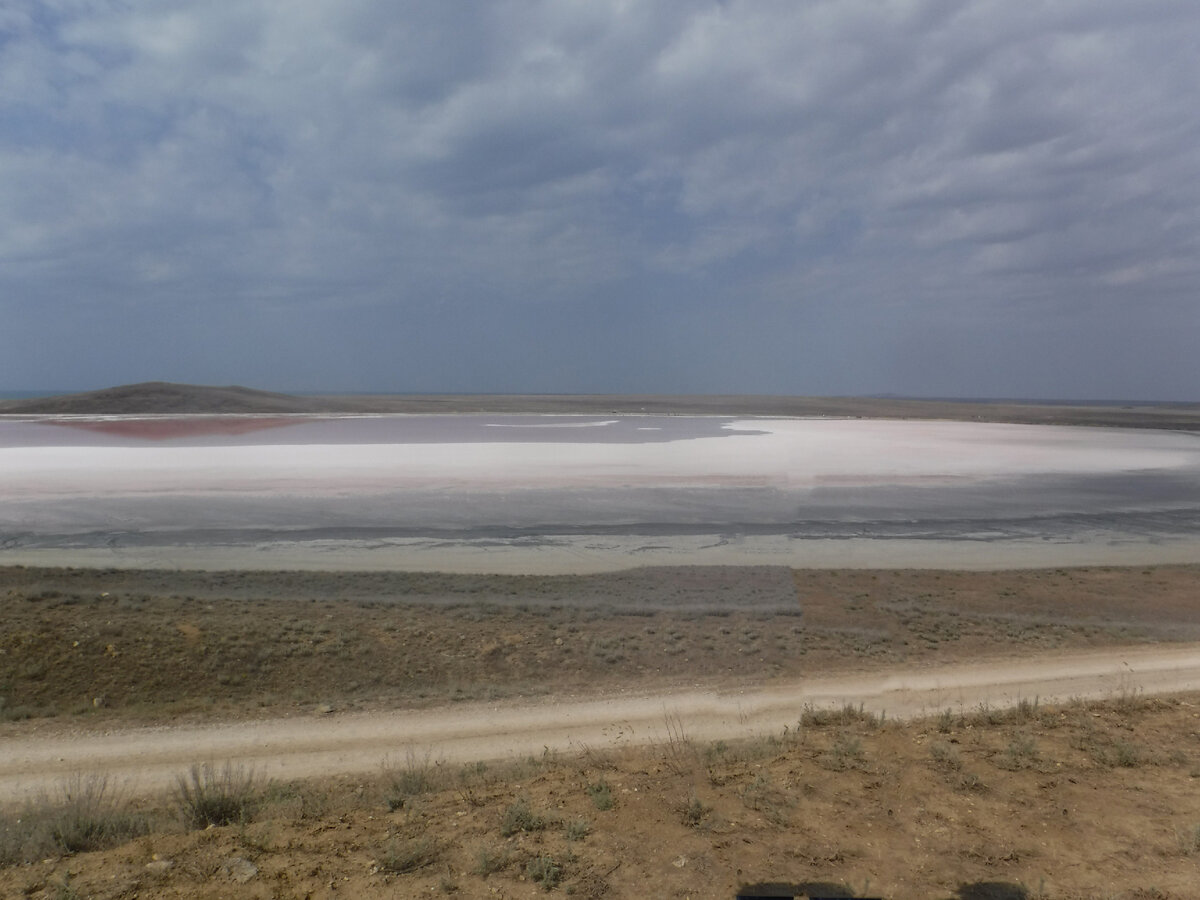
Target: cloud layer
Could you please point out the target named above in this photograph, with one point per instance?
(950, 198)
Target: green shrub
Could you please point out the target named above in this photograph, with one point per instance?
(520, 817)
(601, 795)
(694, 812)
(578, 829)
(1124, 755)
(488, 860)
(545, 871)
(846, 753)
(762, 795)
(408, 856)
(946, 755)
(1021, 753)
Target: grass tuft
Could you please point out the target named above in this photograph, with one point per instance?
(545, 870)
(1021, 753)
(520, 817)
(694, 811)
(83, 816)
(578, 829)
(946, 756)
(210, 796)
(489, 860)
(601, 794)
(413, 778)
(408, 856)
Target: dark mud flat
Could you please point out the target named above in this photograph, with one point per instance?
(159, 645)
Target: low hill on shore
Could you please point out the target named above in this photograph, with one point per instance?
(165, 398)
(161, 397)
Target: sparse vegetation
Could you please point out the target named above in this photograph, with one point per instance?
(679, 753)
(946, 756)
(1021, 753)
(412, 778)
(1189, 840)
(601, 794)
(544, 870)
(208, 796)
(84, 815)
(827, 798)
(694, 811)
(578, 829)
(774, 796)
(847, 714)
(491, 859)
(331, 638)
(846, 752)
(520, 817)
(400, 857)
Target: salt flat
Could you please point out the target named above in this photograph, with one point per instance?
(570, 493)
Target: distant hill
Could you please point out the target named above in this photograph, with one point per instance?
(164, 398)
(161, 397)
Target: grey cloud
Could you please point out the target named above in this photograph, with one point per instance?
(729, 171)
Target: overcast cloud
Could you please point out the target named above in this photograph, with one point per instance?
(940, 198)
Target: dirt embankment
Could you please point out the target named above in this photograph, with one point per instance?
(299, 673)
(1078, 801)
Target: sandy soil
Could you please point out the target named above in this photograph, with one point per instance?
(148, 760)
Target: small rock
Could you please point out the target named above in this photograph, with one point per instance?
(239, 869)
(159, 866)
(325, 709)
(680, 862)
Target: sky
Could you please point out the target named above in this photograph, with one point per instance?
(820, 197)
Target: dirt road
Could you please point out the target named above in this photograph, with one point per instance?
(147, 760)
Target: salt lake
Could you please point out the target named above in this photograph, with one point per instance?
(589, 493)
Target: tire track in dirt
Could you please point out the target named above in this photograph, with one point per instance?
(145, 761)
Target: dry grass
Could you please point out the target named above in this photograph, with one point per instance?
(169, 645)
(85, 814)
(403, 856)
(207, 795)
(905, 810)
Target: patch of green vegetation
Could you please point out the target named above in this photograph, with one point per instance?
(520, 817)
(601, 794)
